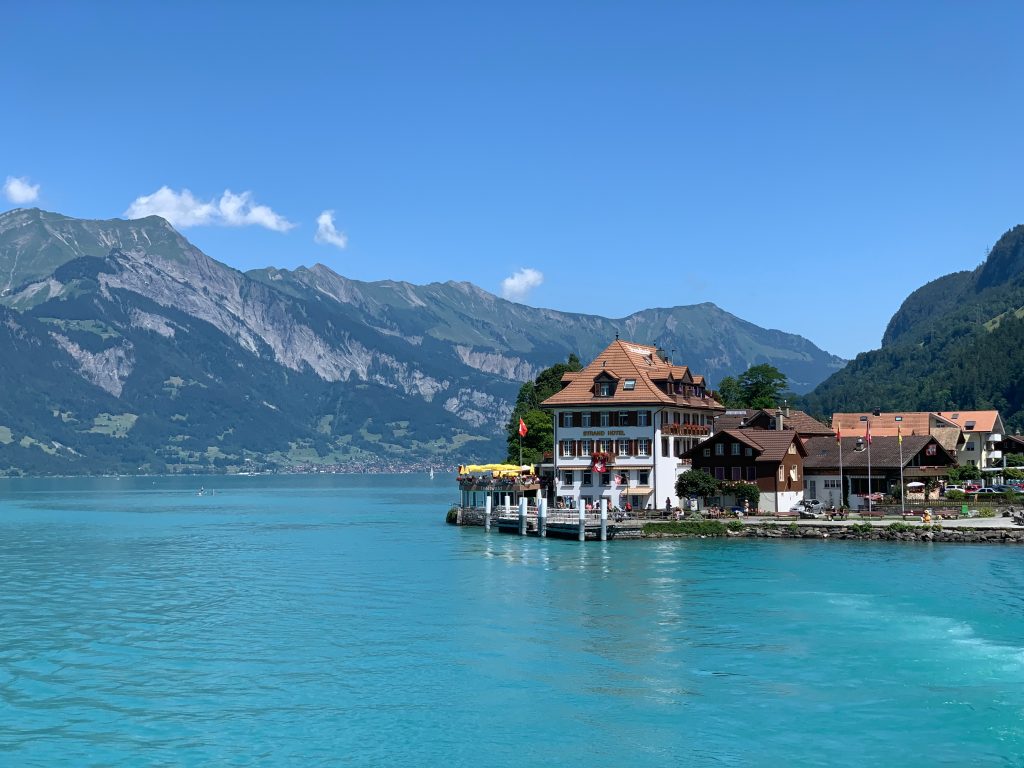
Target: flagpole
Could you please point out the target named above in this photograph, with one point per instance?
(842, 488)
(903, 492)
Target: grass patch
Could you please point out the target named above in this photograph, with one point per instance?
(113, 425)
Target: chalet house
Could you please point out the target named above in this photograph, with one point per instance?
(838, 480)
(772, 459)
(975, 438)
(622, 424)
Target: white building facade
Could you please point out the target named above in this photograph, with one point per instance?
(621, 425)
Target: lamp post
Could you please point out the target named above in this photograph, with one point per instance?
(860, 447)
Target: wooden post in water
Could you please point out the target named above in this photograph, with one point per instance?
(542, 518)
(583, 523)
(487, 513)
(604, 519)
(522, 516)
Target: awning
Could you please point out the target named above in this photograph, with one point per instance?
(639, 490)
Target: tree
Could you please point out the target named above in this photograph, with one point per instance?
(959, 474)
(1015, 459)
(762, 386)
(729, 393)
(696, 483)
(747, 492)
(539, 426)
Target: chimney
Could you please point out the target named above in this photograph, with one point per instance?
(786, 404)
(778, 420)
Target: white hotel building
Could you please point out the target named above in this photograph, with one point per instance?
(622, 424)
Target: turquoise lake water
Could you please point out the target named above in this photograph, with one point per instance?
(337, 621)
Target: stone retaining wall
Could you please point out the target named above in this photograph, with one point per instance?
(858, 531)
(877, 533)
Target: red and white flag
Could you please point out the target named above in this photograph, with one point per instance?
(522, 428)
(867, 432)
(839, 437)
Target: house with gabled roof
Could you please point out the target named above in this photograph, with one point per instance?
(622, 425)
(778, 418)
(772, 459)
(975, 438)
(838, 475)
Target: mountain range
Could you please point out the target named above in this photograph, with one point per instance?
(128, 349)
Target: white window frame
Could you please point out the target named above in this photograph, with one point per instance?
(643, 447)
(585, 419)
(604, 419)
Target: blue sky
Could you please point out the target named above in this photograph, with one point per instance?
(804, 165)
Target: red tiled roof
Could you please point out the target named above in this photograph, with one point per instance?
(627, 360)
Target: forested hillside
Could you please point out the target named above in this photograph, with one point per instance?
(957, 342)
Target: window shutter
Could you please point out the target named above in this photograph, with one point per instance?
(632, 447)
(577, 419)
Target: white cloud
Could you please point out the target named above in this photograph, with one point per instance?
(516, 286)
(326, 232)
(183, 209)
(18, 190)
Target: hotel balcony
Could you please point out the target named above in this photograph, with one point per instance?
(691, 430)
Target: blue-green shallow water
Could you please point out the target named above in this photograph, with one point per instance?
(337, 621)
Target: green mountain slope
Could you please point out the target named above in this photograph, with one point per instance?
(954, 343)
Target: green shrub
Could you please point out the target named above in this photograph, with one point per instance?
(988, 512)
(689, 527)
(734, 525)
(861, 528)
(453, 516)
(899, 527)
(955, 495)
(793, 527)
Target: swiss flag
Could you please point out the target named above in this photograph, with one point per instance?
(522, 428)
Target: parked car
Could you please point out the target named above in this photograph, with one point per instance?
(986, 490)
(972, 487)
(951, 488)
(1003, 488)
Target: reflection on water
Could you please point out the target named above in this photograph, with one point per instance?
(326, 620)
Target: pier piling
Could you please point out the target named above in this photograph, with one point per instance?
(522, 516)
(583, 524)
(542, 518)
(487, 513)
(604, 519)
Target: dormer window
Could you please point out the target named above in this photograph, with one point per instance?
(604, 389)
